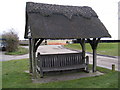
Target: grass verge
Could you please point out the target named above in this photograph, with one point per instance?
(13, 76)
(20, 51)
(103, 48)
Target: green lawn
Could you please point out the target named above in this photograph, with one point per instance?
(13, 76)
(20, 51)
(103, 48)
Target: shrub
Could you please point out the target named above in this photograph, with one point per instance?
(12, 40)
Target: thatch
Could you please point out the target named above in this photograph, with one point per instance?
(63, 22)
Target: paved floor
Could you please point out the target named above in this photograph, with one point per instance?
(65, 77)
(51, 49)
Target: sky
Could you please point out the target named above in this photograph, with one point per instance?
(12, 13)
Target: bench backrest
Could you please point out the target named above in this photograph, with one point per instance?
(59, 60)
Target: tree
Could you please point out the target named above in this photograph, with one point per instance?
(12, 40)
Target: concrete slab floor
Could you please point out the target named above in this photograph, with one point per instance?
(65, 77)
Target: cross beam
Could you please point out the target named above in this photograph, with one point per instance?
(38, 42)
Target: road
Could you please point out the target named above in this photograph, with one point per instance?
(102, 61)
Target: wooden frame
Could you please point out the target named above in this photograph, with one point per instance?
(34, 43)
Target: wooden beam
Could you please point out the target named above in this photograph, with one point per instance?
(94, 44)
(38, 43)
(36, 40)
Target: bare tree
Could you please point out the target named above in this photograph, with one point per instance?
(12, 40)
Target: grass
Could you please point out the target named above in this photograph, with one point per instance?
(20, 51)
(103, 48)
(13, 76)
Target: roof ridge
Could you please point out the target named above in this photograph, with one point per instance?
(68, 11)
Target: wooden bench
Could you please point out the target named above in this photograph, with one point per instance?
(59, 62)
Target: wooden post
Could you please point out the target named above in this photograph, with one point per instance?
(94, 60)
(113, 67)
(33, 58)
(94, 44)
(87, 63)
(35, 44)
(82, 42)
(83, 48)
(30, 55)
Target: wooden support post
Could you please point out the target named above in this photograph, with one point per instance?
(82, 42)
(94, 44)
(30, 55)
(94, 60)
(83, 48)
(35, 44)
(33, 58)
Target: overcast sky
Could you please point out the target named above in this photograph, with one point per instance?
(12, 13)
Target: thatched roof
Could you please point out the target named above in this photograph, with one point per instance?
(58, 22)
